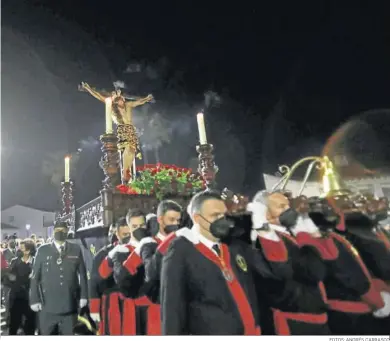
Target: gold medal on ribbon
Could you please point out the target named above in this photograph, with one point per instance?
(59, 261)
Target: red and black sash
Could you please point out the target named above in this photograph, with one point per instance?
(153, 322)
(276, 251)
(134, 260)
(119, 315)
(130, 305)
(330, 252)
(105, 270)
(380, 284)
(234, 286)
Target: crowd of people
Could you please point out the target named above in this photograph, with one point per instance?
(17, 257)
(202, 271)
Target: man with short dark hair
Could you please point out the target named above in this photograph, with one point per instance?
(168, 217)
(152, 224)
(129, 274)
(58, 285)
(10, 252)
(146, 252)
(102, 288)
(206, 285)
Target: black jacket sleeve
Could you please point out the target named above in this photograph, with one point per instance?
(308, 266)
(83, 276)
(35, 295)
(152, 260)
(95, 281)
(264, 265)
(173, 290)
(374, 254)
(295, 289)
(128, 282)
(11, 273)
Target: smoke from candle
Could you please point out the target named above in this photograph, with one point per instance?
(212, 99)
(119, 84)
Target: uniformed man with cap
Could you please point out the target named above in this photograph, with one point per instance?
(58, 283)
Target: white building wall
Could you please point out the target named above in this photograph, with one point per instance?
(21, 216)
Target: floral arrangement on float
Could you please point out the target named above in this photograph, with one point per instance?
(160, 180)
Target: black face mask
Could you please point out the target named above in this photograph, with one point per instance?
(125, 240)
(60, 236)
(140, 233)
(221, 227)
(288, 218)
(171, 228)
(12, 245)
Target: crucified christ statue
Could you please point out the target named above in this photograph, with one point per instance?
(122, 114)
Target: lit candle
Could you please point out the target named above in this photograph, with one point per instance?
(108, 116)
(134, 170)
(202, 129)
(67, 168)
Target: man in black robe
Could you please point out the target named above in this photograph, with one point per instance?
(103, 292)
(141, 315)
(352, 297)
(298, 304)
(374, 248)
(148, 252)
(207, 286)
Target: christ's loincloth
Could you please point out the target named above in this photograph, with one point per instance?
(127, 137)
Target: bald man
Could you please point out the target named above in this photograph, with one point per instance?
(296, 306)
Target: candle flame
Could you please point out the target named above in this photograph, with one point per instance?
(67, 157)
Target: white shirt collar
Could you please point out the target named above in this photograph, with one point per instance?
(59, 245)
(207, 242)
(160, 236)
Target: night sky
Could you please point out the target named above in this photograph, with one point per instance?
(280, 77)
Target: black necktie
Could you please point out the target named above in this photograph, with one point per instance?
(62, 248)
(217, 249)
